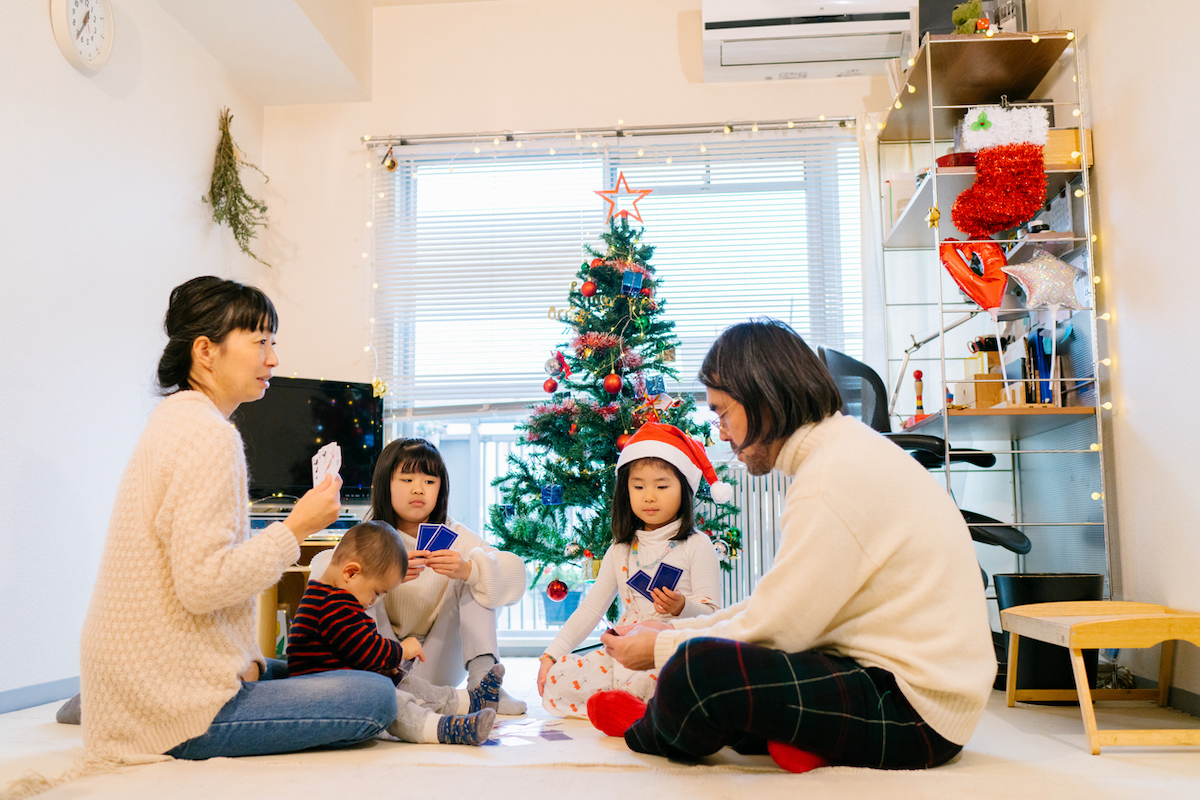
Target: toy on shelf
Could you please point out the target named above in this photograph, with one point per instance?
(919, 385)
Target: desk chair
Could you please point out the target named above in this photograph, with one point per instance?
(864, 396)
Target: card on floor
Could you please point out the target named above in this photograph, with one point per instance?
(640, 583)
(667, 577)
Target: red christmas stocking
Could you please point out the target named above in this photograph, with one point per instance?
(1010, 174)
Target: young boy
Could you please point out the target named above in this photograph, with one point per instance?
(332, 631)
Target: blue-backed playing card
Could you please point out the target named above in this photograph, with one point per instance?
(425, 533)
(640, 583)
(442, 540)
(667, 577)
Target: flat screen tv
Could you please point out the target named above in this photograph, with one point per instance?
(298, 416)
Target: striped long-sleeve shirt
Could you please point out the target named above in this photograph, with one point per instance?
(332, 631)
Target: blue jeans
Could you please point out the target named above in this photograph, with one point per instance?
(278, 714)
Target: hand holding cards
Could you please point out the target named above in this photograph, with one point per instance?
(327, 461)
(665, 577)
(431, 538)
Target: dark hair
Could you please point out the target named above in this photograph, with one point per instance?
(625, 524)
(408, 455)
(375, 545)
(210, 307)
(780, 382)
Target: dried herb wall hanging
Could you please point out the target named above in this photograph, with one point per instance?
(231, 203)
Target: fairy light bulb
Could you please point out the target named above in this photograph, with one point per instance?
(881, 125)
(496, 141)
(641, 152)
(366, 138)
(821, 117)
(367, 349)
(669, 159)
(552, 151)
(911, 61)
(1075, 113)
(1079, 192)
(367, 165)
(520, 144)
(381, 195)
(703, 149)
(595, 144)
(369, 223)
(1035, 38)
(1107, 406)
(371, 320)
(1105, 316)
(1075, 154)
(1106, 362)
(620, 122)
(791, 124)
(989, 33)
(1096, 495)
(1096, 279)
(476, 149)
(754, 128)
(911, 89)
(578, 136)
(366, 255)
(1070, 35)
(374, 285)
(728, 129)
(1094, 237)
(899, 104)
(1095, 448)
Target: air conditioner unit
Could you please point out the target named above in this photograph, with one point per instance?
(748, 40)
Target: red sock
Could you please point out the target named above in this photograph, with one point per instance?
(613, 712)
(792, 758)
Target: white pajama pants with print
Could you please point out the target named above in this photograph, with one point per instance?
(575, 678)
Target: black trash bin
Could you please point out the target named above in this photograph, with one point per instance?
(1041, 665)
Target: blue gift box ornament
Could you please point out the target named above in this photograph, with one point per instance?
(552, 495)
(631, 284)
(655, 385)
(508, 510)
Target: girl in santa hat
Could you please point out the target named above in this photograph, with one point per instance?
(658, 474)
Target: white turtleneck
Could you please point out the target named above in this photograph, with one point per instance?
(700, 583)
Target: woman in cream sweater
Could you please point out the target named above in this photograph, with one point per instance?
(169, 662)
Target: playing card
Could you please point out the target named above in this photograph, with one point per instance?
(640, 583)
(327, 460)
(442, 540)
(425, 533)
(667, 577)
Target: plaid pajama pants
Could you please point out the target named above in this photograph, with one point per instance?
(718, 692)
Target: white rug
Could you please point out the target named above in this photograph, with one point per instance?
(1026, 752)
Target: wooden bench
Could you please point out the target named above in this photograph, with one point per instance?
(1080, 626)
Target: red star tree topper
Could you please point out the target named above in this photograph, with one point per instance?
(615, 197)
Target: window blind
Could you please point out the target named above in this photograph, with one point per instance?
(472, 249)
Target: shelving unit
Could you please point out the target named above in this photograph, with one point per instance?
(1051, 479)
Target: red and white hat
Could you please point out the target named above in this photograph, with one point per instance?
(655, 440)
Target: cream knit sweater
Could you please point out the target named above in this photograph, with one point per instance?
(171, 624)
(876, 564)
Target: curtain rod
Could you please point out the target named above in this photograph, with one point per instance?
(617, 132)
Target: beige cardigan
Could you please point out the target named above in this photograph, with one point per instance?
(171, 623)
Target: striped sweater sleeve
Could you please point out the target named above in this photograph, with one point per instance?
(332, 631)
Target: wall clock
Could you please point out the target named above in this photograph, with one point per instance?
(83, 30)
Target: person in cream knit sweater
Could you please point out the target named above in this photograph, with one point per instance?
(867, 642)
(169, 663)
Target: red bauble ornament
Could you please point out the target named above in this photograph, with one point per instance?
(623, 440)
(647, 291)
(612, 383)
(556, 590)
(574, 429)
(588, 289)
(596, 262)
(551, 385)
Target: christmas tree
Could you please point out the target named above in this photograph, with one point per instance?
(604, 383)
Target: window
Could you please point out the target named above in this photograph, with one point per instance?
(472, 250)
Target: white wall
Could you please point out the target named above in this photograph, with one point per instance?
(1139, 73)
(509, 65)
(100, 215)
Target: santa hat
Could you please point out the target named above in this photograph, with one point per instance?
(655, 440)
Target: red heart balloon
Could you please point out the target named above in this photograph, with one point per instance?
(987, 289)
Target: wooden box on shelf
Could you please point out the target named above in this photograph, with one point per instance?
(1061, 143)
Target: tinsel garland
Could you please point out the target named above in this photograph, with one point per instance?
(1009, 188)
(595, 341)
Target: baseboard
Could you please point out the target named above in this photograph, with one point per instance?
(38, 694)
(1178, 699)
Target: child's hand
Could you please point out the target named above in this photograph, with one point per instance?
(544, 665)
(416, 565)
(668, 601)
(449, 563)
(411, 648)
